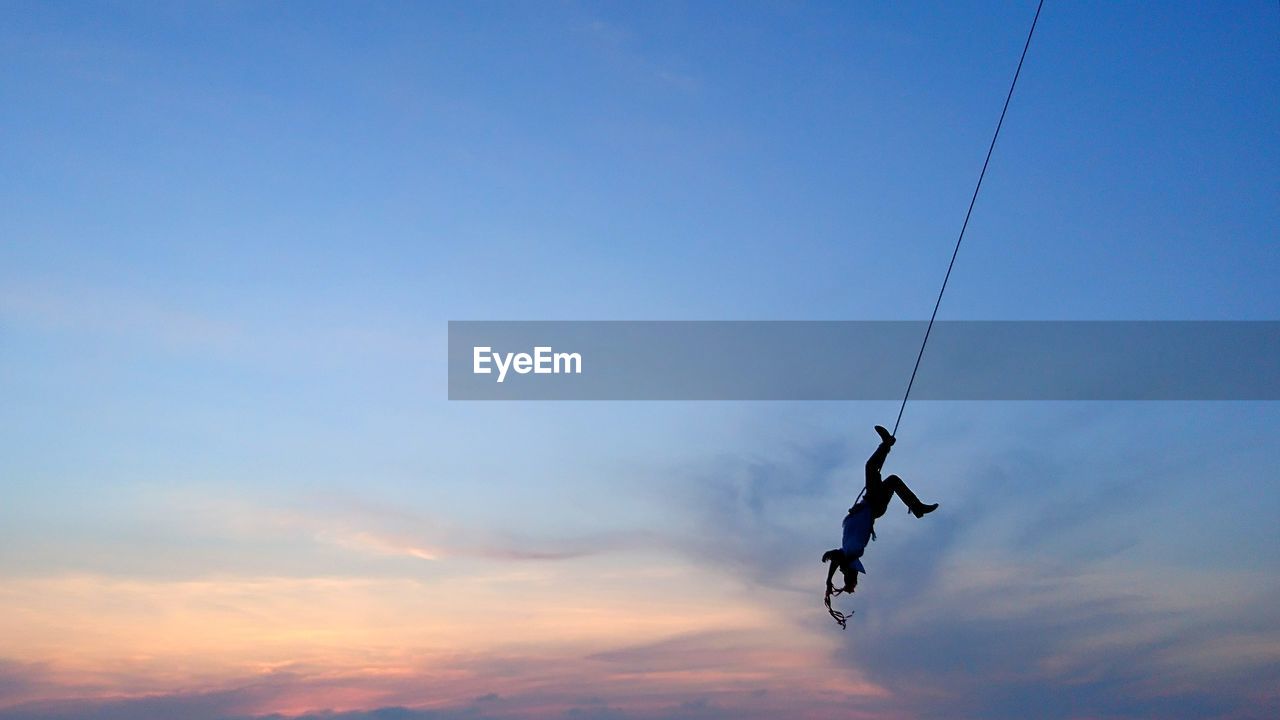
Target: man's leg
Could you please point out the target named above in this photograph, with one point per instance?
(894, 484)
(876, 494)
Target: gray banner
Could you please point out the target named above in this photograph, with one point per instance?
(863, 360)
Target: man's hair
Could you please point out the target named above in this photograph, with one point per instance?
(837, 556)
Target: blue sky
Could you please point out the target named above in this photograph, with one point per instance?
(231, 236)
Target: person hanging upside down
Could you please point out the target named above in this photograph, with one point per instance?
(859, 523)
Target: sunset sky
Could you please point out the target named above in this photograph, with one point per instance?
(232, 234)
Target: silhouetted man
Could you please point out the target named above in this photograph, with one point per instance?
(859, 524)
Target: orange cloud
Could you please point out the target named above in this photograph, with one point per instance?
(363, 642)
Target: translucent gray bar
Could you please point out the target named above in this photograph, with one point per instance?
(870, 360)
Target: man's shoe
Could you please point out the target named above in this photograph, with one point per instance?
(885, 437)
(921, 510)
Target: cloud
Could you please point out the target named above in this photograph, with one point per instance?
(20, 680)
(752, 517)
(1033, 640)
(157, 531)
(271, 338)
(114, 313)
(1028, 593)
(213, 705)
(367, 528)
(622, 50)
(1032, 592)
(689, 675)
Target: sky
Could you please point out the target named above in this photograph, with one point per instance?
(232, 235)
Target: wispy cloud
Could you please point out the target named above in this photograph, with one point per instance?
(365, 527)
(621, 48)
(1025, 590)
(727, 673)
(100, 311)
(171, 322)
(1004, 603)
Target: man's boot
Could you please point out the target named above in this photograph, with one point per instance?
(885, 437)
(920, 509)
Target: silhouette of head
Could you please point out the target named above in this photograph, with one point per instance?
(849, 573)
(850, 578)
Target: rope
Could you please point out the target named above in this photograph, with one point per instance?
(972, 200)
